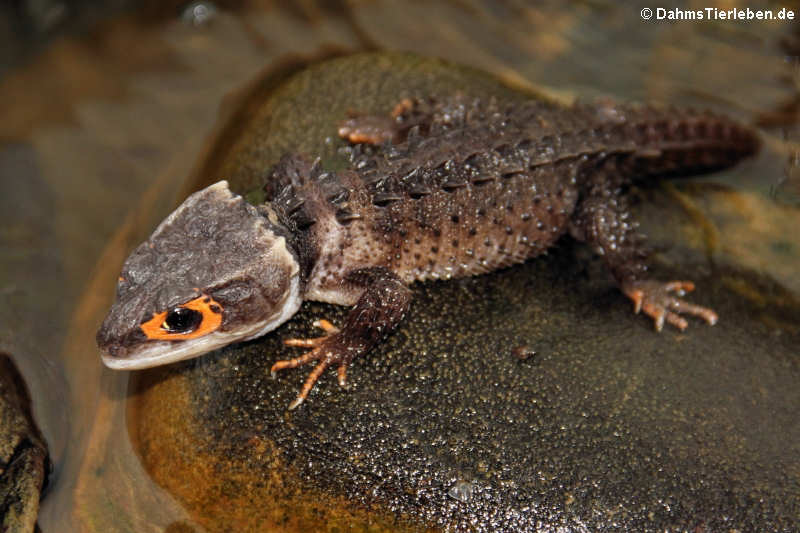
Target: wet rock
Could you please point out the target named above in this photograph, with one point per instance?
(24, 461)
(609, 426)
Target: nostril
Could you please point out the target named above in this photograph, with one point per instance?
(112, 349)
(115, 351)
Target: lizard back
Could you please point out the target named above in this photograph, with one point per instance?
(468, 185)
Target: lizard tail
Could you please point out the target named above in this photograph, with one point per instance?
(667, 142)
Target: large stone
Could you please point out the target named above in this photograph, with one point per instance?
(453, 422)
(24, 463)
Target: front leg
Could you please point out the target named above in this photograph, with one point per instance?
(602, 220)
(377, 313)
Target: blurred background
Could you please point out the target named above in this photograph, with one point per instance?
(109, 111)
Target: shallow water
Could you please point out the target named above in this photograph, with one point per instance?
(103, 133)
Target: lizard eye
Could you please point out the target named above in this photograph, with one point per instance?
(190, 320)
(182, 320)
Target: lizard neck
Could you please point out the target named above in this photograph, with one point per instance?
(299, 239)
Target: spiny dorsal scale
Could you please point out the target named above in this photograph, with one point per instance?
(316, 168)
(293, 204)
(510, 172)
(385, 198)
(302, 219)
(376, 182)
(372, 179)
(339, 196)
(414, 137)
(323, 177)
(418, 192)
(288, 200)
(473, 160)
(365, 164)
(412, 176)
(483, 179)
(345, 216)
(451, 186)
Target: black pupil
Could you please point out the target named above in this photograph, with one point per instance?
(182, 320)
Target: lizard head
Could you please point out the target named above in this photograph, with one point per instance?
(216, 271)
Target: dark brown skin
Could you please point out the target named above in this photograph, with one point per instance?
(443, 188)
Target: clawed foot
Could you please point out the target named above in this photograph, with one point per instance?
(377, 129)
(654, 298)
(368, 130)
(326, 349)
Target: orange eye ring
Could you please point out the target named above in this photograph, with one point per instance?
(210, 310)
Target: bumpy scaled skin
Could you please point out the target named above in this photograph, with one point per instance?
(442, 188)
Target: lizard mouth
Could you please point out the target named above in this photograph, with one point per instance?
(156, 353)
